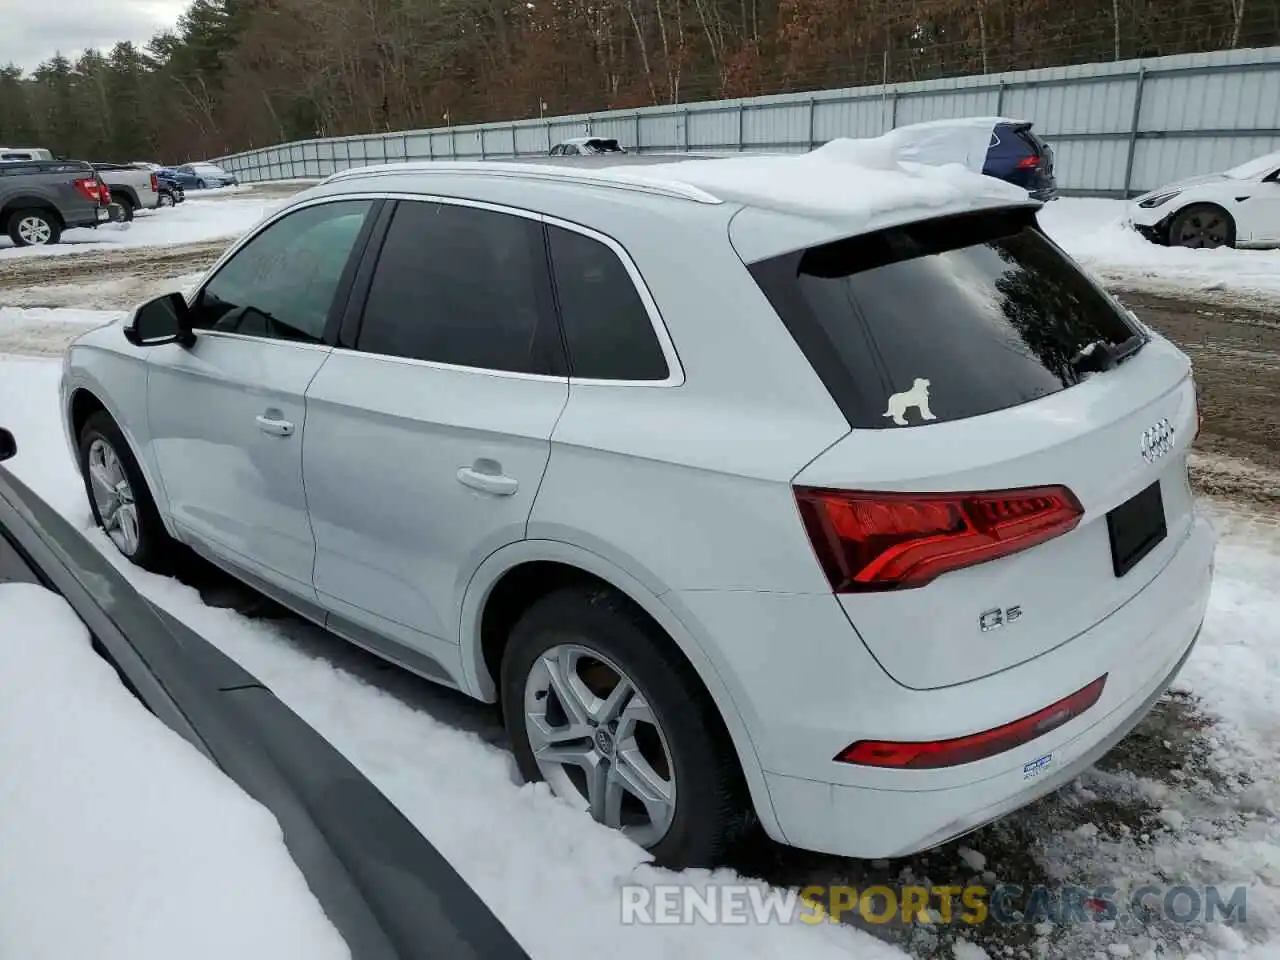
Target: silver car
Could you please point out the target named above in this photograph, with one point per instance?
(825, 494)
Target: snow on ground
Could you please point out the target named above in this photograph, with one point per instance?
(224, 213)
(120, 841)
(122, 291)
(39, 331)
(1092, 231)
(553, 876)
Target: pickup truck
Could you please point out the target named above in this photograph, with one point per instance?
(132, 187)
(24, 153)
(41, 198)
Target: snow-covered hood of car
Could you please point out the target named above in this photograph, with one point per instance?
(1184, 184)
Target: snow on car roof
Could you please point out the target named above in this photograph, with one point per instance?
(860, 183)
(866, 177)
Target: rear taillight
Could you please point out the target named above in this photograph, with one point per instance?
(91, 188)
(869, 541)
(932, 754)
(1028, 163)
(155, 183)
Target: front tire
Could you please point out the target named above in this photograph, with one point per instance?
(619, 727)
(1202, 226)
(34, 228)
(119, 498)
(199, 184)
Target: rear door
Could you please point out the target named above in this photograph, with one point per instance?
(428, 429)
(970, 355)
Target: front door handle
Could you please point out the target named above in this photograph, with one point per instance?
(274, 425)
(495, 483)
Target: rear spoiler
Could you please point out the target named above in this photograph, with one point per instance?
(388, 891)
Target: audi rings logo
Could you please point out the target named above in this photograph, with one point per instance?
(1157, 440)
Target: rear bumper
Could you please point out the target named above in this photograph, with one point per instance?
(804, 707)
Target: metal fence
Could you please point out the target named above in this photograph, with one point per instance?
(1117, 129)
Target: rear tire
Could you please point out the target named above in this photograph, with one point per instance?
(34, 228)
(126, 209)
(116, 487)
(199, 184)
(1202, 226)
(664, 733)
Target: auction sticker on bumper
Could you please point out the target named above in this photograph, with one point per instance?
(1037, 766)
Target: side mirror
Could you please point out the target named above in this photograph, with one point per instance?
(164, 320)
(8, 445)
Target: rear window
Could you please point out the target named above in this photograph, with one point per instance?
(941, 320)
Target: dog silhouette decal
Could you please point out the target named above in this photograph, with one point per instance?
(917, 396)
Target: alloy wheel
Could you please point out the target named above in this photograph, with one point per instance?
(113, 496)
(598, 742)
(1202, 230)
(34, 231)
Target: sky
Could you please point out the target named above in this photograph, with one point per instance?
(34, 30)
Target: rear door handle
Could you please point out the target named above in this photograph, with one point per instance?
(274, 426)
(495, 483)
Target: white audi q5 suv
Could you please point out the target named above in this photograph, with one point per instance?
(823, 489)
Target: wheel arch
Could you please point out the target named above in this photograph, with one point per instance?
(1172, 218)
(29, 202)
(514, 577)
(126, 191)
(83, 400)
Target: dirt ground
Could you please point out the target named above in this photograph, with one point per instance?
(1236, 353)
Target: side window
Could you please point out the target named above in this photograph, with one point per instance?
(607, 329)
(281, 283)
(463, 286)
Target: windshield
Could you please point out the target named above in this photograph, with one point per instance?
(1255, 168)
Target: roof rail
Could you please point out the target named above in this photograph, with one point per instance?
(598, 177)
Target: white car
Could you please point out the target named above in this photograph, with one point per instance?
(1237, 208)
(587, 147)
(742, 490)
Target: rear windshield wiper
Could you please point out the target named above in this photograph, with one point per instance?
(1102, 355)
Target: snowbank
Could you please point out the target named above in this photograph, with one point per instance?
(1093, 232)
(41, 331)
(200, 218)
(122, 842)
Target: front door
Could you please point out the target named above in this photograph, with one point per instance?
(228, 414)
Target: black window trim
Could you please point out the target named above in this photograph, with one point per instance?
(349, 329)
(341, 294)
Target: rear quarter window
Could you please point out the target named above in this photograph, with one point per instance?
(972, 314)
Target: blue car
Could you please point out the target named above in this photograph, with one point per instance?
(1018, 156)
(202, 176)
(171, 191)
(998, 147)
